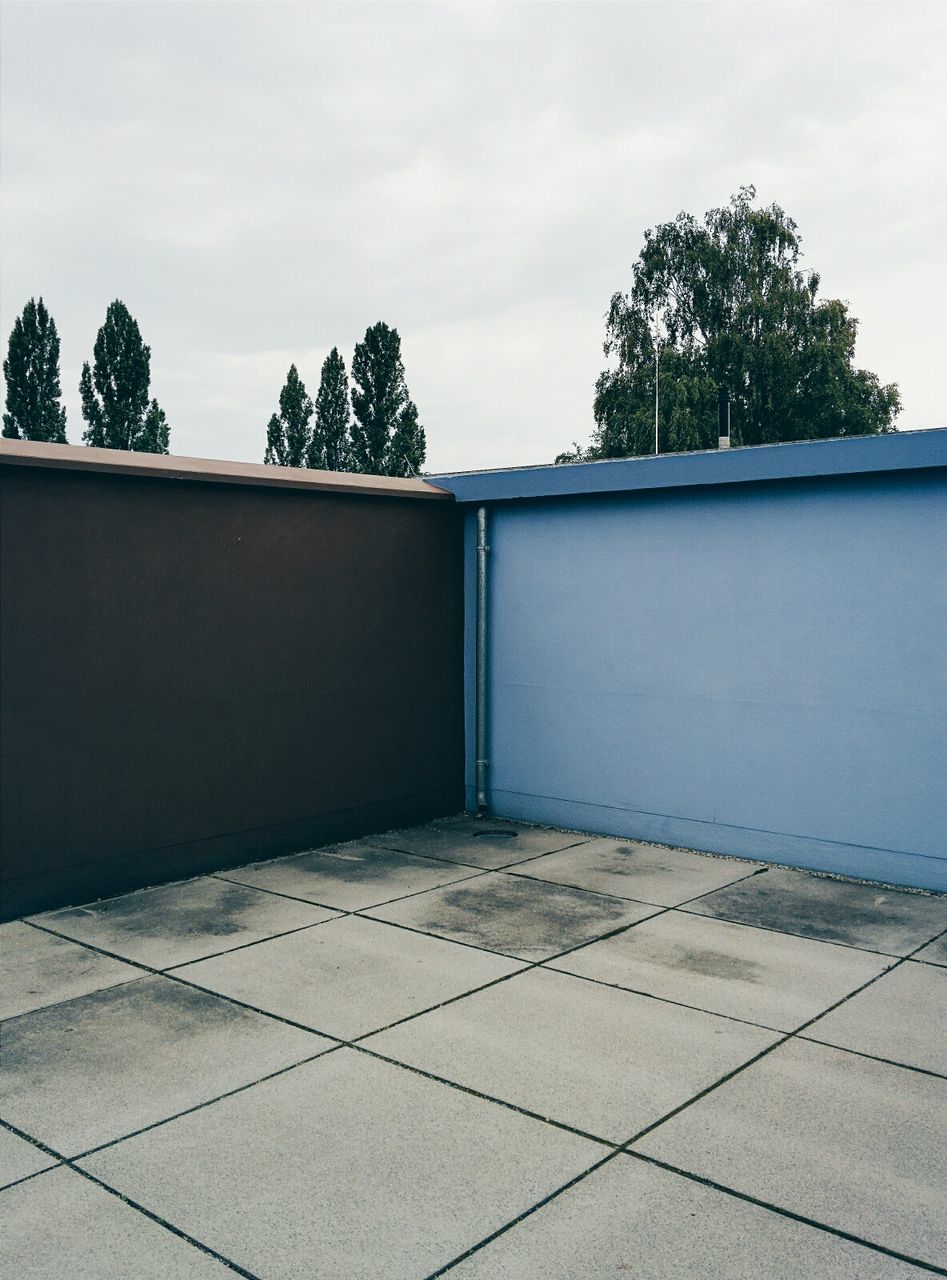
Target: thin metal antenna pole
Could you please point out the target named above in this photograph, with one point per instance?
(656, 356)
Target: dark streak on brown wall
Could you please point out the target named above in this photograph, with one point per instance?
(198, 674)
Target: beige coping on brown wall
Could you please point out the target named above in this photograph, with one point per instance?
(122, 462)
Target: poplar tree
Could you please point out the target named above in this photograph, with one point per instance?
(31, 372)
(408, 445)
(155, 435)
(287, 433)
(387, 438)
(115, 402)
(330, 447)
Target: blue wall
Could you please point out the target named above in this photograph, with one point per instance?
(750, 668)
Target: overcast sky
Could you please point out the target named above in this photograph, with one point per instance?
(261, 182)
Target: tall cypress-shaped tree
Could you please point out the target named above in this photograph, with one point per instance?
(329, 449)
(114, 391)
(408, 445)
(287, 433)
(382, 407)
(155, 435)
(31, 371)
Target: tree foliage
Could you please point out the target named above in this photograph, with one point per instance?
(155, 434)
(384, 437)
(31, 372)
(408, 444)
(114, 390)
(329, 447)
(287, 434)
(387, 438)
(725, 303)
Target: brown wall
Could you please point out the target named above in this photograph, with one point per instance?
(197, 674)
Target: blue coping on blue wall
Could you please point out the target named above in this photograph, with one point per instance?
(754, 669)
(855, 455)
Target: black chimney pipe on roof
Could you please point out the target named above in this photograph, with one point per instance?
(723, 418)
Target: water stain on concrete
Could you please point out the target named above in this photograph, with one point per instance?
(520, 916)
(208, 908)
(830, 910)
(631, 858)
(710, 964)
(479, 842)
(350, 864)
(107, 1027)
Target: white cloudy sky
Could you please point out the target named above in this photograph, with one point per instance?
(260, 182)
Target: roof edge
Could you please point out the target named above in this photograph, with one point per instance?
(71, 457)
(841, 456)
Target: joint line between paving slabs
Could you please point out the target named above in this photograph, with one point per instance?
(784, 1212)
(356, 1045)
(706, 1182)
(339, 913)
(363, 914)
(678, 1004)
(872, 1057)
(89, 946)
(153, 969)
(790, 1035)
(208, 1102)
(255, 942)
(340, 1043)
(786, 933)
(34, 1142)
(69, 1163)
(486, 1097)
(171, 976)
(762, 1026)
(623, 1150)
(528, 966)
(527, 1213)
(660, 909)
(476, 872)
(563, 884)
(519, 862)
(27, 1177)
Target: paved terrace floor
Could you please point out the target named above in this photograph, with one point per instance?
(480, 1049)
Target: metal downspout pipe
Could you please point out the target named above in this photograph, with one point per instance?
(481, 677)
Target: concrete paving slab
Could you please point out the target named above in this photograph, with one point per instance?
(176, 923)
(63, 1227)
(480, 842)
(646, 872)
(347, 1167)
(775, 979)
(40, 969)
(603, 1061)
(900, 1017)
(350, 876)
(515, 916)
(20, 1159)
(935, 952)
(632, 1219)
(80, 1074)
(843, 1140)
(859, 915)
(350, 976)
